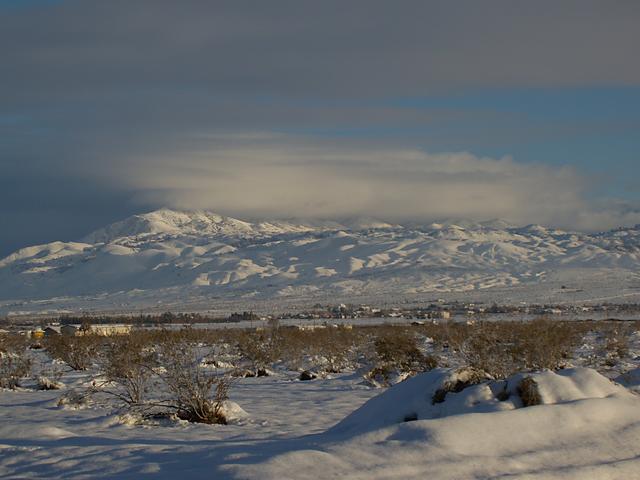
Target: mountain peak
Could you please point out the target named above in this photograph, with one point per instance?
(161, 222)
(182, 253)
(168, 222)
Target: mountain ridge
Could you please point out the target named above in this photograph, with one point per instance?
(204, 253)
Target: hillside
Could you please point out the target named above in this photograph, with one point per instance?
(165, 255)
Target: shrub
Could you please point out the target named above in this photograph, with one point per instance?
(129, 363)
(396, 351)
(528, 392)
(13, 367)
(544, 343)
(503, 348)
(617, 340)
(14, 363)
(461, 379)
(77, 352)
(195, 394)
(399, 349)
(75, 399)
(12, 343)
(489, 349)
(330, 348)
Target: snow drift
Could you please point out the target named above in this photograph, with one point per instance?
(585, 426)
(433, 395)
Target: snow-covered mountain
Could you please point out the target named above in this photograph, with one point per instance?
(166, 253)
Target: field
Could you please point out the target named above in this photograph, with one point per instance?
(514, 399)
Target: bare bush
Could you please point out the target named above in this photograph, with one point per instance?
(14, 363)
(75, 399)
(77, 352)
(528, 392)
(328, 349)
(13, 367)
(503, 348)
(261, 349)
(616, 339)
(488, 349)
(12, 343)
(397, 352)
(128, 364)
(196, 395)
(544, 343)
(461, 379)
(398, 349)
(334, 346)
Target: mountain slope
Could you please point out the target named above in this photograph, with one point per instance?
(167, 223)
(202, 253)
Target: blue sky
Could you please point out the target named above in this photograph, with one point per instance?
(580, 126)
(419, 110)
(596, 130)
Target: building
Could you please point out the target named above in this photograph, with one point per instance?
(109, 329)
(49, 331)
(69, 330)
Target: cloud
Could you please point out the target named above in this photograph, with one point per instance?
(181, 103)
(268, 175)
(322, 49)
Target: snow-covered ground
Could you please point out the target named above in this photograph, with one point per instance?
(585, 428)
(588, 428)
(38, 439)
(443, 424)
(200, 261)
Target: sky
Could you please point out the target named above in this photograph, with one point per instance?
(403, 111)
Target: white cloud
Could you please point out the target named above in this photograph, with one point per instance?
(266, 175)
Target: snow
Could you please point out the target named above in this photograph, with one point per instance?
(586, 427)
(181, 258)
(589, 439)
(631, 380)
(233, 412)
(414, 398)
(450, 422)
(267, 414)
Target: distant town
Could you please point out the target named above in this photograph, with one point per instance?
(318, 314)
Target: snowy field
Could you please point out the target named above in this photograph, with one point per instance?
(39, 439)
(588, 432)
(447, 423)
(589, 287)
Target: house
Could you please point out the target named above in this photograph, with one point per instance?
(49, 331)
(69, 330)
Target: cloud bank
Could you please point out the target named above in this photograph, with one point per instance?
(275, 176)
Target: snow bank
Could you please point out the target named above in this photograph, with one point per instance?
(425, 396)
(585, 427)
